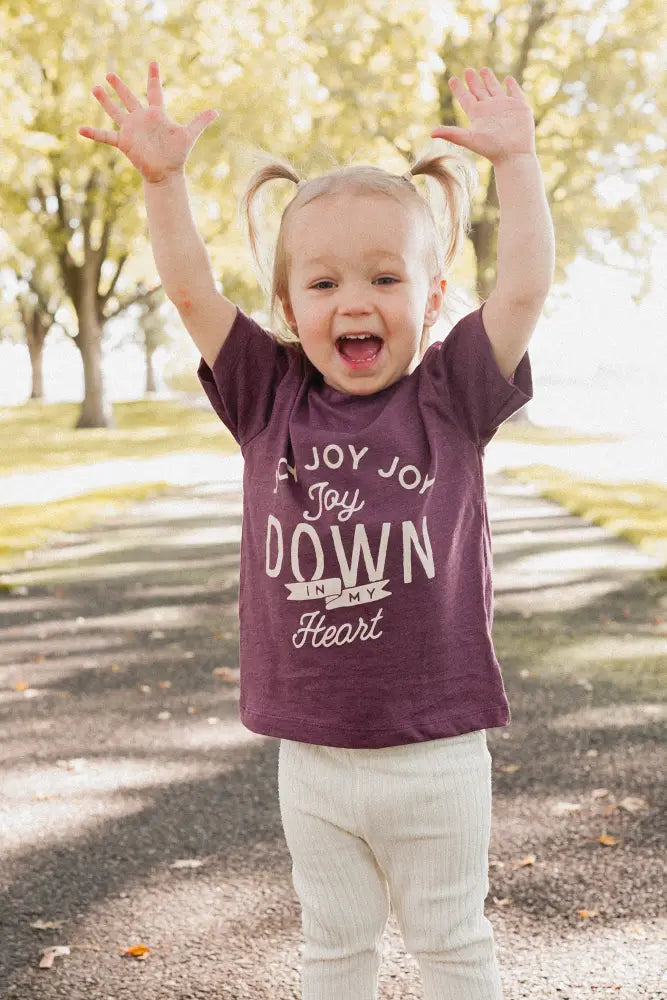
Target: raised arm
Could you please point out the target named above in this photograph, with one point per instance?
(159, 147)
(502, 130)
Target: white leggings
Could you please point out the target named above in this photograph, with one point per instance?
(407, 824)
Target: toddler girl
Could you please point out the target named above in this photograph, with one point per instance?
(365, 587)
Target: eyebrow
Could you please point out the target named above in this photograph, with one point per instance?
(383, 255)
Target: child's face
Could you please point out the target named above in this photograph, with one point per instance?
(358, 266)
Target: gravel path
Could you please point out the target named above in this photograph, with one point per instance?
(136, 810)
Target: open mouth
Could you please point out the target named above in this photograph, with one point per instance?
(360, 348)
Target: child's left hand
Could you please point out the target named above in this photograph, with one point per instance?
(501, 124)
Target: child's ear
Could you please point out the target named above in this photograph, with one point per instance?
(289, 314)
(434, 302)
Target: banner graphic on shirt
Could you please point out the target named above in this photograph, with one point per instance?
(335, 595)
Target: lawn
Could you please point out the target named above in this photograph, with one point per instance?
(37, 436)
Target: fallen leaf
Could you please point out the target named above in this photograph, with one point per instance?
(563, 808)
(76, 765)
(599, 793)
(46, 925)
(229, 674)
(138, 951)
(526, 673)
(528, 860)
(588, 913)
(164, 684)
(49, 954)
(116, 668)
(608, 841)
(502, 902)
(508, 768)
(193, 710)
(187, 863)
(163, 716)
(21, 686)
(633, 804)
(144, 688)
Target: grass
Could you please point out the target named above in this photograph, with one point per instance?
(36, 436)
(527, 433)
(28, 526)
(635, 511)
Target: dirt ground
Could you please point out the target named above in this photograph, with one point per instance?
(136, 810)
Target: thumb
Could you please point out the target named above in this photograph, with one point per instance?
(200, 122)
(459, 136)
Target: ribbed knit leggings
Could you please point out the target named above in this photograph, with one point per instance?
(406, 826)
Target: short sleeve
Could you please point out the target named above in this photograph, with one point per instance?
(462, 378)
(243, 382)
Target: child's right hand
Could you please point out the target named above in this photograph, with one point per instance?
(152, 142)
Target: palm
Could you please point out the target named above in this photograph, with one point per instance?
(504, 126)
(501, 124)
(154, 144)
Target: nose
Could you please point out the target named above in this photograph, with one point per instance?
(355, 300)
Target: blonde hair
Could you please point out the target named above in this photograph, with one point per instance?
(452, 172)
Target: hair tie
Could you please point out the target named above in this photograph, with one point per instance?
(407, 176)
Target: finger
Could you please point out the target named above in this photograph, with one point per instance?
(200, 122)
(154, 89)
(452, 134)
(513, 88)
(124, 92)
(490, 81)
(476, 86)
(463, 96)
(99, 135)
(114, 112)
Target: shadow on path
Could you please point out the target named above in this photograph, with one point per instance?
(125, 755)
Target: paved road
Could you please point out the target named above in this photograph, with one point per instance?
(122, 755)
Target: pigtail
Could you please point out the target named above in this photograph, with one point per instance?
(269, 261)
(276, 170)
(457, 181)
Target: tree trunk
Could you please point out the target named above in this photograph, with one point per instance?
(96, 409)
(36, 352)
(35, 335)
(150, 372)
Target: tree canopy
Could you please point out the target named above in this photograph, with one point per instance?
(320, 83)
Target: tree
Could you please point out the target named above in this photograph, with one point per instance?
(74, 212)
(593, 76)
(318, 82)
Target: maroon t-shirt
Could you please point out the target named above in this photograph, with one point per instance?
(365, 595)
